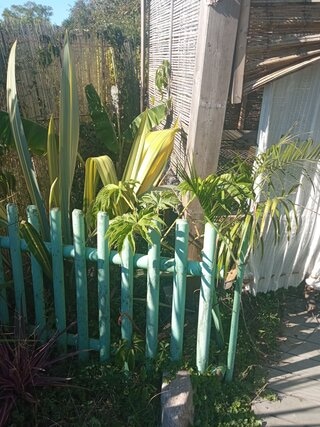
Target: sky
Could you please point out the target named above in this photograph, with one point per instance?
(60, 7)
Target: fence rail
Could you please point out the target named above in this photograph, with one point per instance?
(178, 266)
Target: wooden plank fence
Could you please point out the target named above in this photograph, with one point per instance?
(178, 266)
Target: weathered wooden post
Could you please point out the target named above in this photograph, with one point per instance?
(218, 23)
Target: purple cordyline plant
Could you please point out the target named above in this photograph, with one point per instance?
(24, 364)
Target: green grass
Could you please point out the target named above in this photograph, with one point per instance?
(103, 395)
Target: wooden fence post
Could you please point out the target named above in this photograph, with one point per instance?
(218, 22)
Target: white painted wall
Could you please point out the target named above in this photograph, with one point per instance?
(292, 104)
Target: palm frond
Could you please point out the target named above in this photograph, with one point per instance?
(129, 225)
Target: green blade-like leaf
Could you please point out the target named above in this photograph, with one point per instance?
(155, 116)
(22, 146)
(3, 216)
(97, 168)
(36, 134)
(53, 164)
(68, 136)
(37, 247)
(103, 125)
(136, 153)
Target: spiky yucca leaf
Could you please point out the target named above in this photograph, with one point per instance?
(68, 136)
(3, 215)
(96, 169)
(36, 247)
(22, 146)
(136, 152)
(156, 151)
(53, 164)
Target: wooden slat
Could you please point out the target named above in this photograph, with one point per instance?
(153, 288)
(80, 269)
(126, 292)
(103, 286)
(58, 276)
(179, 289)
(215, 48)
(37, 278)
(240, 53)
(4, 311)
(16, 261)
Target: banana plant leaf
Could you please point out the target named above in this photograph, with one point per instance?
(36, 134)
(104, 127)
(154, 116)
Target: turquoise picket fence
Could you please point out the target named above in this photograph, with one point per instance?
(179, 267)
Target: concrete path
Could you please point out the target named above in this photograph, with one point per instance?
(294, 374)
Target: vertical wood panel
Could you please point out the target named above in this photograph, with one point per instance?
(240, 53)
(16, 261)
(179, 289)
(206, 297)
(215, 48)
(4, 311)
(80, 267)
(58, 275)
(126, 292)
(37, 278)
(153, 285)
(103, 286)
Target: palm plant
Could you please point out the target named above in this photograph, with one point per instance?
(244, 201)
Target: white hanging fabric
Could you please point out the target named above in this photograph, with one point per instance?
(291, 105)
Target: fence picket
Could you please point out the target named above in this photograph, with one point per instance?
(206, 297)
(179, 266)
(126, 292)
(4, 311)
(37, 278)
(236, 306)
(16, 260)
(153, 284)
(103, 286)
(81, 282)
(58, 275)
(179, 289)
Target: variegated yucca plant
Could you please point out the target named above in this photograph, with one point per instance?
(61, 157)
(148, 156)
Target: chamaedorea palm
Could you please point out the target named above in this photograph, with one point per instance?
(242, 202)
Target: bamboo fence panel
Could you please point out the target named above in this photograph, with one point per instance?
(281, 35)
